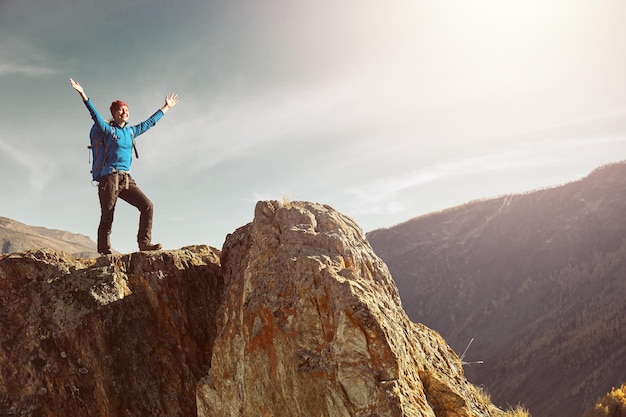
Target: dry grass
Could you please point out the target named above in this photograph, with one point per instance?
(515, 411)
(285, 201)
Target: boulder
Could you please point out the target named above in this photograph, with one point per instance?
(312, 325)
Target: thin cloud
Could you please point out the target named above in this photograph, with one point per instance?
(386, 188)
(237, 128)
(529, 155)
(36, 164)
(24, 69)
(19, 56)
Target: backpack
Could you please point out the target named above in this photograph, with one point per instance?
(99, 152)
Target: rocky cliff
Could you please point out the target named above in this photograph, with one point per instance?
(295, 317)
(121, 336)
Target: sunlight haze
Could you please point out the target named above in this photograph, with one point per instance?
(383, 110)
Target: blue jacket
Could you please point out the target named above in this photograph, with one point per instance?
(118, 141)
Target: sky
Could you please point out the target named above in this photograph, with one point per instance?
(384, 110)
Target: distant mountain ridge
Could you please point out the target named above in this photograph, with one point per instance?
(538, 280)
(18, 237)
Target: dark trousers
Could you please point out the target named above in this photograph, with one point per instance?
(120, 184)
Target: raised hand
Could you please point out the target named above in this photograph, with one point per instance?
(76, 86)
(171, 100)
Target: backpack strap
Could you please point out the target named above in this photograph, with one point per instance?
(135, 149)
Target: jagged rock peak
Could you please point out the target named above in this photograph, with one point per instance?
(311, 325)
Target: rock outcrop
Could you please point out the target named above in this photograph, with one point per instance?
(295, 317)
(122, 336)
(312, 325)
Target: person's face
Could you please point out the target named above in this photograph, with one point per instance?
(121, 115)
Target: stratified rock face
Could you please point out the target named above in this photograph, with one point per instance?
(122, 336)
(312, 325)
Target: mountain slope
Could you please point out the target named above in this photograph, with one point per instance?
(537, 280)
(17, 237)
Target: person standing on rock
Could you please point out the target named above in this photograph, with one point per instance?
(115, 180)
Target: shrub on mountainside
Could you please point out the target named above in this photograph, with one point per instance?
(612, 404)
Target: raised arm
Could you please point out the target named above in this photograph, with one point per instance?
(79, 89)
(170, 101)
(97, 118)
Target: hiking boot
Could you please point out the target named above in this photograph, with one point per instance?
(149, 246)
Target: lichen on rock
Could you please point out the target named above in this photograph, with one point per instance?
(312, 324)
(121, 335)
